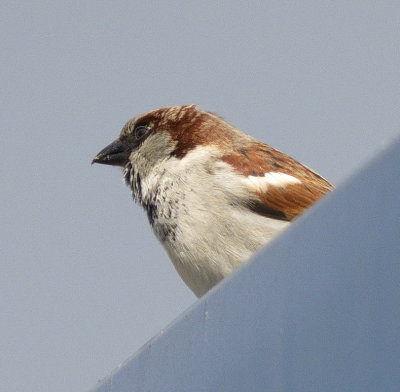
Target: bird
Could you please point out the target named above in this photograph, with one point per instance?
(213, 194)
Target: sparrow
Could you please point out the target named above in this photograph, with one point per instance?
(213, 194)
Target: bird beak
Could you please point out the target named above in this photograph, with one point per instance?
(115, 154)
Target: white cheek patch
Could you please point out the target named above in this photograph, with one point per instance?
(270, 179)
(199, 155)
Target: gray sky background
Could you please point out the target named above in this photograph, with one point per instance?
(83, 282)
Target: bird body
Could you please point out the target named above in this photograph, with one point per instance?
(213, 194)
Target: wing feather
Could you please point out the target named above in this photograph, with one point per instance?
(282, 187)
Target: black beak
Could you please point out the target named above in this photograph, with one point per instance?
(115, 154)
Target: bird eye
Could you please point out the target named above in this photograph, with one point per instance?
(141, 131)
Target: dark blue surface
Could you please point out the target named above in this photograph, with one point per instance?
(318, 310)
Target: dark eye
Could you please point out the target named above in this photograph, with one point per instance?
(141, 131)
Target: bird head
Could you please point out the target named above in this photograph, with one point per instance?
(164, 133)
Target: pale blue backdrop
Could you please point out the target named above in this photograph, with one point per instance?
(83, 282)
